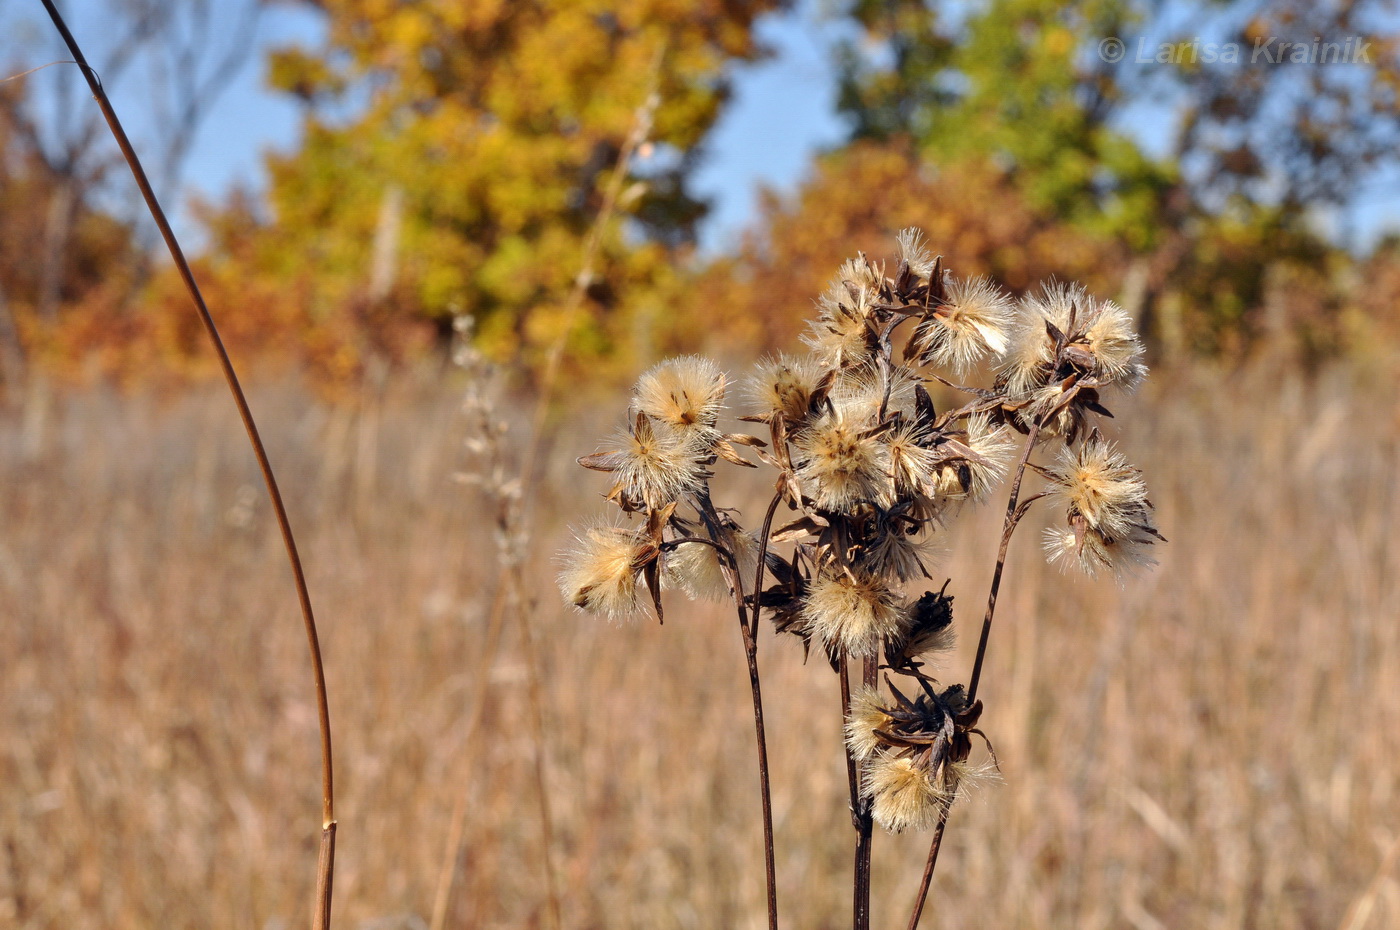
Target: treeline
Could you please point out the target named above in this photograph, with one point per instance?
(525, 164)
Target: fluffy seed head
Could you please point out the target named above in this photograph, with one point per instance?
(841, 465)
(600, 574)
(856, 612)
(656, 464)
(784, 386)
(912, 465)
(1097, 482)
(1109, 517)
(696, 567)
(899, 554)
(1117, 351)
(906, 795)
(861, 392)
(971, 325)
(684, 394)
(841, 334)
(1090, 551)
(867, 715)
(860, 274)
(1099, 335)
(974, 478)
(912, 250)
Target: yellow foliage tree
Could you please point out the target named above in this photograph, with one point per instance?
(457, 159)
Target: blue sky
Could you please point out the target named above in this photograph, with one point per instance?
(781, 115)
(783, 112)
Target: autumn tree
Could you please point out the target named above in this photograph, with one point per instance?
(457, 159)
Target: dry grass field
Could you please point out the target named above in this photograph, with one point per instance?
(1215, 745)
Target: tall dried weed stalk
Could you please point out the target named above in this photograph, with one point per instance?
(872, 473)
(325, 860)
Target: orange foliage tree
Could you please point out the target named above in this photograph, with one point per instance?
(858, 197)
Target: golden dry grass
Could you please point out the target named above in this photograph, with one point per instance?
(1215, 745)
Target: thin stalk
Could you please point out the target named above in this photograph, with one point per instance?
(852, 779)
(1014, 512)
(865, 827)
(541, 766)
(523, 522)
(456, 833)
(325, 869)
(928, 868)
(860, 811)
(751, 652)
(762, 558)
(711, 520)
(1013, 517)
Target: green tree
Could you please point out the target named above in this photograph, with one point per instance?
(1252, 148)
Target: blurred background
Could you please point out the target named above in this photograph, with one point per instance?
(608, 182)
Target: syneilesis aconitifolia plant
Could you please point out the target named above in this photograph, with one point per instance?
(873, 474)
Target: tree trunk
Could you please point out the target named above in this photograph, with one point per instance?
(58, 234)
(11, 349)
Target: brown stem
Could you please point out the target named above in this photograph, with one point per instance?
(1013, 517)
(860, 809)
(326, 861)
(706, 509)
(456, 838)
(1014, 511)
(533, 666)
(928, 869)
(865, 845)
(762, 558)
(751, 651)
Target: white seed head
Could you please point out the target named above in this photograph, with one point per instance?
(600, 573)
(1092, 553)
(913, 251)
(974, 479)
(867, 715)
(1109, 518)
(1101, 331)
(1115, 346)
(856, 612)
(840, 464)
(905, 795)
(860, 393)
(912, 466)
(784, 386)
(841, 334)
(656, 464)
(685, 394)
(1096, 481)
(975, 322)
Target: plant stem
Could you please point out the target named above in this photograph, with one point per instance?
(751, 651)
(1009, 524)
(326, 860)
(860, 809)
(762, 558)
(928, 869)
(706, 509)
(865, 827)
(1008, 527)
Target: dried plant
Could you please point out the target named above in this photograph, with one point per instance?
(873, 474)
(325, 863)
